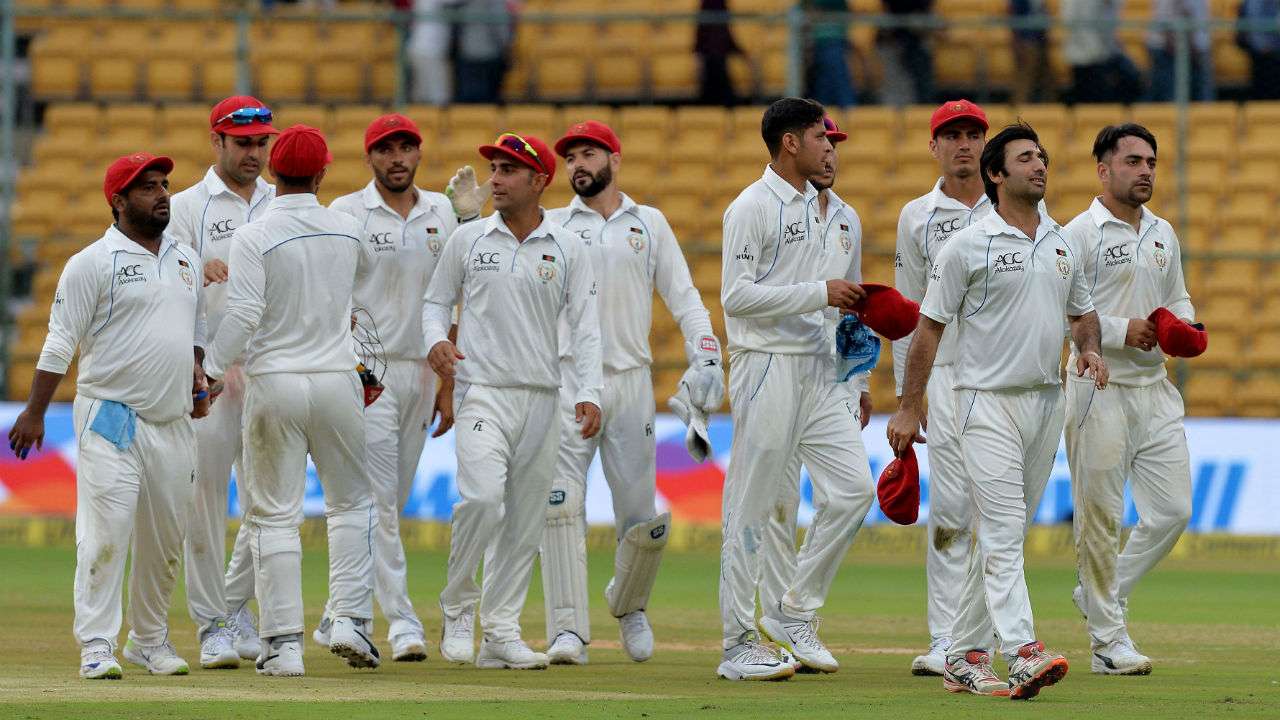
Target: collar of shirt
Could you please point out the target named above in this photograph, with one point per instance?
(373, 199)
(939, 200)
(785, 191)
(993, 225)
(834, 203)
(1101, 216)
(294, 200)
(117, 241)
(577, 204)
(495, 224)
(216, 186)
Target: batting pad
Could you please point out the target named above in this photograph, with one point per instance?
(635, 565)
(564, 574)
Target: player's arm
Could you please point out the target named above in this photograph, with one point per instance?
(703, 383)
(910, 277)
(443, 407)
(1086, 331)
(443, 292)
(584, 329)
(201, 400)
(246, 300)
(1117, 331)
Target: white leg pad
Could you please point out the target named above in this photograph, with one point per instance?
(564, 567)
(635, 565)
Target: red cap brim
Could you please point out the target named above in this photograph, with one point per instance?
(401, 130)
(837, 137)
(255, 128)
(488, 151)
(964, 116)
(562, 145)
(159, 162)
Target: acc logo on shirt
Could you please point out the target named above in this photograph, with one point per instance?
(130, 274)
(485, 261)
(793, 232)
(1009, 262)
(221, 229)
(382, 242)
(1117, 255)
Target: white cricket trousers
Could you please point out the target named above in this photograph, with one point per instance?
(1113, 434)
(506, 444)
(129, 501)
(287, 416)
(1008, 439)
(628, 453)
(788, 407)
(211, 595)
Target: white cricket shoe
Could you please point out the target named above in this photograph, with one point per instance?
(349, 639)
(321, 633)
(801, 638)
(1119, 658)
(159, 659)
(567, 649)
(752, 661)
(1033, 669)
(245, 629)
(511, 655)
(408, 647)
(98, 663)
(458, 638)
(283, 658)
(218, 649)
(934, 661)
(972, 673)
(637, 635)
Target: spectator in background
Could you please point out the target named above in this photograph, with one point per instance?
(1100, 71)
(482, 50)
(1263, 47)
(1033, 76)
(429, 43)
(830, 81)
(713, 45)
(905, 56)
(1162, 45)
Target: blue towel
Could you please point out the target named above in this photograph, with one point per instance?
(857, 348)
(116, 422)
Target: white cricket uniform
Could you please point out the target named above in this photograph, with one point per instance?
(1134, 428)
(842, 244)
(1009, 297)
(404, 253)
(512, 294)
(923, 228)
(205, 216)
(289, 312)
(633, 252)
(785, 401)
(136, 318)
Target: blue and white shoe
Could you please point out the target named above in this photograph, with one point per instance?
(1119, 658)
(753, 661)
(97, 662)
(159, 659)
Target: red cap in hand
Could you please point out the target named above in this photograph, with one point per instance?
(887, 311)
(1177, 337)
(899, 489)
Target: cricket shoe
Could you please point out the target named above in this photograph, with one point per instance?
(458, 638)
(1034, 669)
(510, 655)
(218, 649)
(98, 663)
(752, 661)
(408, 647)
(1119, 658)
(283, 658)
(321, 633)
(934, 661)
(972, 673)
(787, 658)
(800, 637)
(567, 649)
(159, 659)
(637, 635)
(349, 639)
(245, 629)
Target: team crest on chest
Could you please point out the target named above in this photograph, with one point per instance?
(546, 269)
(186, 276)
(1161, 257)
(1064, 265)
(433, 242)
(636, 240)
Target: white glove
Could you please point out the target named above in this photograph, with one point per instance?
(467, 197)
(705, 377)
(695, 435)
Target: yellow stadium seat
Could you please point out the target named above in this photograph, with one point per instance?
(114, 77)
(620, 75)
(80, 115)
(571, 114)
(354, 118)
(1259, 395)
(339, 78)
(674, 76)
(317, 116)
(170, 78)
(1208, 392)
(429, 119)
(639, 117)
(218, 78)
(538, 120)
(1264, 350)
(561, 77)
(709, 123)
(120, 117)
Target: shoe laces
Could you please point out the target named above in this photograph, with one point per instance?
(164, 649)
(243, 623)
(463, 626)
(754, 653)
(633, 621)
(98, 652)
(806, 633)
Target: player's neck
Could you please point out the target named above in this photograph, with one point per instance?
(144, 238)
(1125, 212)
(967, 190)
(1020, 214)
(787, 171)
(824, 201)
(523, 221)
(401, 202)
(245, 191)
(606, 202)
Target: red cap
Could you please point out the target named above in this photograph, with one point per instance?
(1178, 337)
(525, 149)
(388, 125)
(833, 131)
(236, 116)
(300, 152)
(122, 172)
(591, 131)
(953, 110)
(887, 311)
(899, 489)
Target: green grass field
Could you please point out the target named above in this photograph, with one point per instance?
(1212, 629)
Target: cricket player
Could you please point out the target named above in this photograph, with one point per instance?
(633, 252)
(1009, 281)
(132, 303)
(957, 200)
(785, 398)
(205, 217)
(1134, 429)
(292, 274)
(513, 273)
(405, 229)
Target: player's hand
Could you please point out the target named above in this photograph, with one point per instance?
(215, 271)
(467, 197)
(904, 429)
(1092, 363)
(444, 357)
(864, 409)
(588, 416)
(844, 295)
(27, 430)
(201, 397)
(443, 408)
(1141, 334)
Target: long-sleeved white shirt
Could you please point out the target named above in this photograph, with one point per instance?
(773, 270)
(1010, 297)
(1130, 273)
(404, 253)
(842, 246)
(512, 294)
(292, 274)
(136, 318)
(632, 253)
(205, 216)
(923, 227)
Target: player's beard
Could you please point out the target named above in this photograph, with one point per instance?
(146, 220)
(384, 179)
(1140, 195)
(599, 181)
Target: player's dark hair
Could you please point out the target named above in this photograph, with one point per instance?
(115, 214)
(1109, 138)
(788, 115)
(291, 181)
(993, 154)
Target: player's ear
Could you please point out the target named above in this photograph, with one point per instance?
(320, 178)
(215, 141)
(791, 143)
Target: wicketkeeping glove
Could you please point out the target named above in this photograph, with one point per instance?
(703, 383)
(467, 197)
(695, 435)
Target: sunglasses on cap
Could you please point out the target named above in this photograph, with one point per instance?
(519, 145)
(247, 116)
(829, 125)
